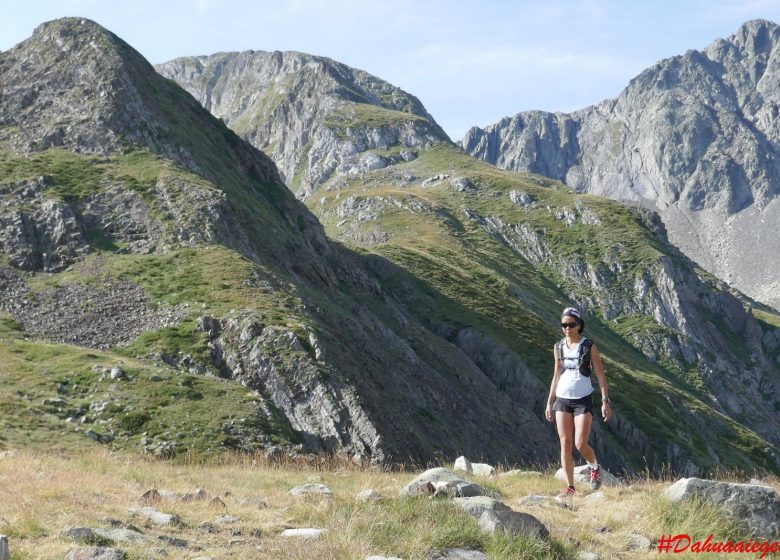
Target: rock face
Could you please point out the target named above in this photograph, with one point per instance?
(312, 115)
(755, 508)
(695, 137)
(103, 157)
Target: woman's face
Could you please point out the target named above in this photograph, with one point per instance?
(570, 325)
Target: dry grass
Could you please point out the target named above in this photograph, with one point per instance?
(45, 494)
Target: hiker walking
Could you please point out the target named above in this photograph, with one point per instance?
(571, 399)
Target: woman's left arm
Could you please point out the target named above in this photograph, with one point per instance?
(606, 407)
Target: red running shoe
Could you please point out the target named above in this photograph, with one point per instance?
(595, 479)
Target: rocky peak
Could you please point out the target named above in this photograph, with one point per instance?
(695, 137)
(76, 86)
(314, 116)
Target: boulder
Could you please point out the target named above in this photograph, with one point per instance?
(462, 464)
(514, 522)
(482, 469)
(4, 553)
(120, 535)
(755, 508)
(368, 495)
(582, 474)
(477, 505)
(639, 542)
(305, 533)
(437, 480)
(309, 489)
(157, 517)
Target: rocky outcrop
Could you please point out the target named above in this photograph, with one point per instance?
(694, 137)
(315, 117)
(755, 508)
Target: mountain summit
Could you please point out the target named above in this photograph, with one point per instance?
(695, 137)
(314, 116)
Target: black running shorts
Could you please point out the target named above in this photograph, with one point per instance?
(574, 406)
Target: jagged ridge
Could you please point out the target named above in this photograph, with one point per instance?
(695, 137)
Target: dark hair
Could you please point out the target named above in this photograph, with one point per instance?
(576, 315)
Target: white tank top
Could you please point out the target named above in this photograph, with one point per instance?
(572, 384)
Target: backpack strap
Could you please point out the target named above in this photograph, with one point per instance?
(584, 356)
(559, 350)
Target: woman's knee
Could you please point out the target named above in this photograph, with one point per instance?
(566, 444)
(582, 445)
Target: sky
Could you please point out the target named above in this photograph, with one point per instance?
(471, 63)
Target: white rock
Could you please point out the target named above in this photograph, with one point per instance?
(482, 469)
(462, 464)
(305, 533)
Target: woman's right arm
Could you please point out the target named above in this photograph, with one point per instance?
(553, 386)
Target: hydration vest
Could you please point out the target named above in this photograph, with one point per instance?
(584, 354)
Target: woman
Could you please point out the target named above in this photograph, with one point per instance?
(576, 357)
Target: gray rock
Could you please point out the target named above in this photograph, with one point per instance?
(207, 527)
(151, 497)
(260, 503)
(535, 500)
(422, 485)
(4, 551)
(477, 505)
(121, 535)
(755, 508)
(368, 495)
(469, 489)
(95, 553)
(459, 554)
(308, 533)
(514, 522)
(227, 520)
(84, 534)
(639, 542)
(173, 541)
(157, 517)
(311, 489)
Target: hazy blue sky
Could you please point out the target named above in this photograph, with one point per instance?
(470, 63)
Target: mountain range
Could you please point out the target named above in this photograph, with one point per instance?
(695, 137)
(164, 291)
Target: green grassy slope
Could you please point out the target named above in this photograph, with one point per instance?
(477, 280)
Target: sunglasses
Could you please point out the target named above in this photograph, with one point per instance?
(568, 325)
